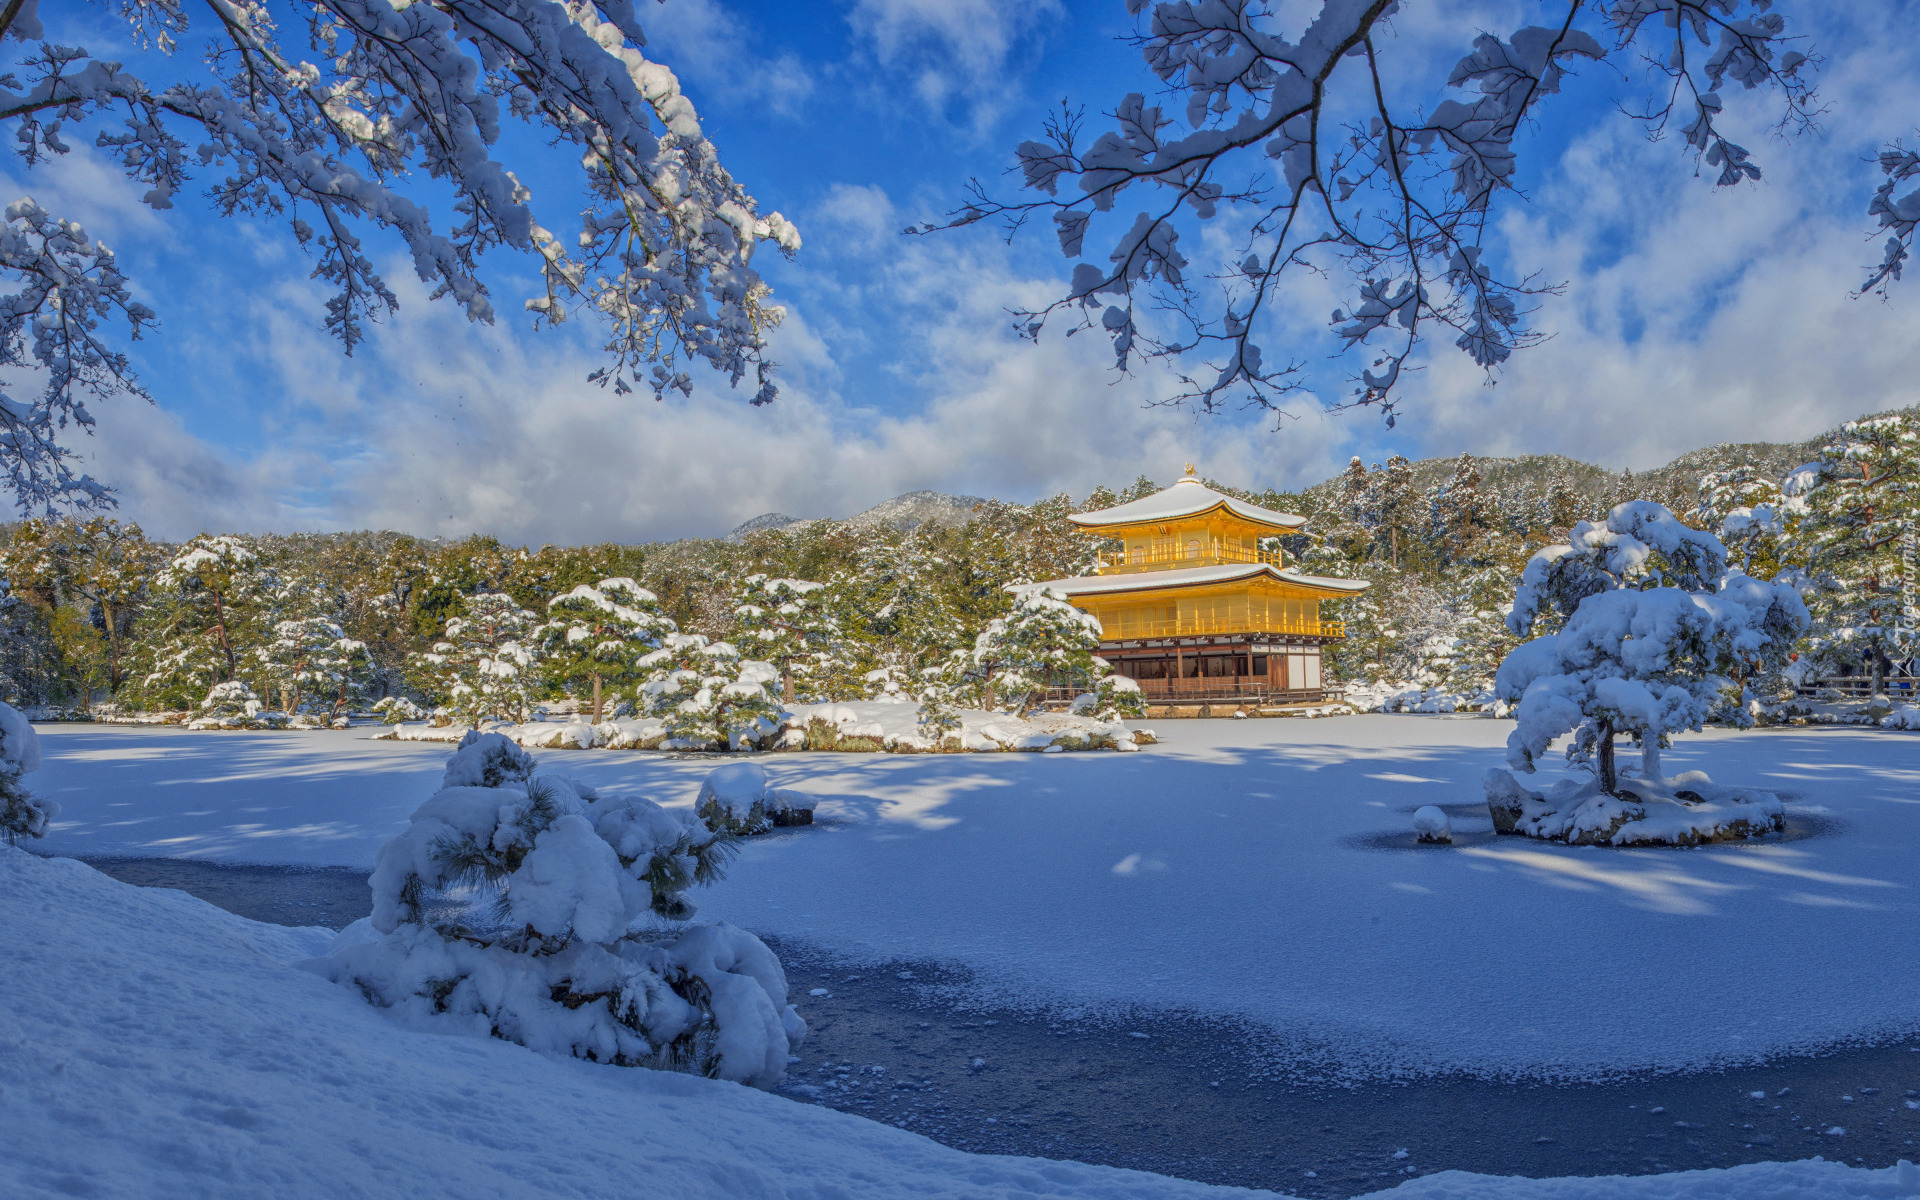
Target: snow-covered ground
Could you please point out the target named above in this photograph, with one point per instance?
(152, 1046)
(1260, 869)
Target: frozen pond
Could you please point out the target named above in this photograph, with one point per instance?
(1252, 872)
(1190, 1097)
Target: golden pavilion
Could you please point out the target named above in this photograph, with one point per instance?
(1194, 610)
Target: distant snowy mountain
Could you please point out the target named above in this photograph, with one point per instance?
(910, 510)
(767, 521)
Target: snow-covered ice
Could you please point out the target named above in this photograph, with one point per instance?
(1271, 876)
(156, 1047)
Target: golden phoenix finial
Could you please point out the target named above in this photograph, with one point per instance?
(1189, 469)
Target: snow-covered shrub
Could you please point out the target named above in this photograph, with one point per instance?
(396, 710)
(22, 814)
(1430, 823)
(232, 705)
(737, 798)
(938, 718)
(508, 908)
(1656, 630)
(889, 683)
(709, 697)
(1114, 698)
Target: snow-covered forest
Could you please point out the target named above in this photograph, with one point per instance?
(319, 625)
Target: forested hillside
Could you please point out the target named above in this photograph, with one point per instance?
(95, 612)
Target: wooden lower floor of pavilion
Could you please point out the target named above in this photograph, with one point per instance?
(1253, 669)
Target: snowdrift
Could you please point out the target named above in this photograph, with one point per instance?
(231, 1072)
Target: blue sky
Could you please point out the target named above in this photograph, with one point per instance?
(1692, 316)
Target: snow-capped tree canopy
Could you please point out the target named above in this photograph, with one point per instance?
(1653, 633)
(1863, 534)
(788, 623)
(485, 666)
(709, 696)
(345, 129)
(600, 633)
(1327, 151)
(1044, 641)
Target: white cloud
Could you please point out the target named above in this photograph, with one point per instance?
(715, 55)
(964, 52)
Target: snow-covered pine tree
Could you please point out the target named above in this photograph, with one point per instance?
(1861, 534)
(1654, 625)
(22, 814)
(709, 696)
(1750, 514)
(1045, 641)
(205, 622)
(899, 607)
(601, 633)
(1461, 513)
(312, 659)
(1394, 502)
(485, 665)
(787, 622)
(549, 956)
(98, 565)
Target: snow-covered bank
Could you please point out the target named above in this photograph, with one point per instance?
(231, 1071)
(868, 725)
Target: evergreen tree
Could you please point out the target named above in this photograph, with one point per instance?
(708, 695)
(313, 657)
(1654, 625)
(1393, 502)
(98, 567)
(789, 623)
(206, 620)
(484, 668)
(22, 814)
(601, 633)
(1045, 641)
(1461, 512)
(1861, 533)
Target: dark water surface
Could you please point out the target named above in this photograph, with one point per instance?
(1190, 1096)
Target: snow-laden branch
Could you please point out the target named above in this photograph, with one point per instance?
(1328, 157)
(335, 144)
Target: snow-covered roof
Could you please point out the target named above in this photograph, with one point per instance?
(1140, 581)
(1187, 498)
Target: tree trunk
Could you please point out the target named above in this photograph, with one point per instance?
(786, 681)
(1609, 781)
(1879, 674)
(1650, 757)
(596, 697)
(220, 628)
(113, 651)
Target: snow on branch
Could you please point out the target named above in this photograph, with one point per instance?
(1317, 154)
(335, 145)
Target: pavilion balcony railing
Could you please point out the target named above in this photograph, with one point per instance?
(1127, 628)
(1194, 552)
(1209, 688)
